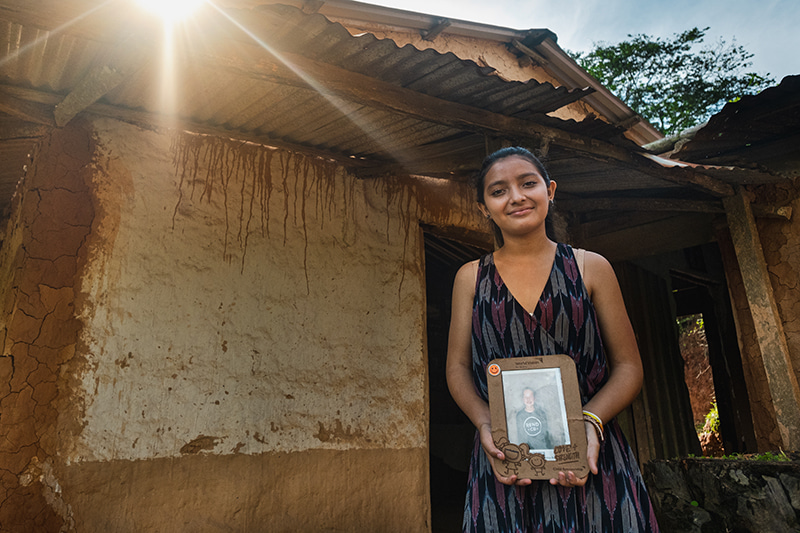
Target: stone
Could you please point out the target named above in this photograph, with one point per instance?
(712, 495)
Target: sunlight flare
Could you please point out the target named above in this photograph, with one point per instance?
(171, 10)
(349, 110)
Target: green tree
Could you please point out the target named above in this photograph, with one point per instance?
(677, 83)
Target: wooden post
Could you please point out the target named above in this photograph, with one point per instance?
(781, 378)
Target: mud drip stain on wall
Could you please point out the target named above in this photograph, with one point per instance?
(247, 176)
(243, 173)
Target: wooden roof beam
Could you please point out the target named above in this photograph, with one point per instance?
(93, 86)
(585, 205)
(639, 204)
(148, 119)
(122, 62)
(36, 112)
(14, 128)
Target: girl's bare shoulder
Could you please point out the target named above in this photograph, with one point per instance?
(466, 276)
(598, 273)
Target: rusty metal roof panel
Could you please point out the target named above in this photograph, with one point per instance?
(758, 132)
(581, 175)
(206, 85)
(442, 75)
(42, 59)
(56, 62)
(297, 113)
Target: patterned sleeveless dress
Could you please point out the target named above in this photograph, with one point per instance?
(564, 321)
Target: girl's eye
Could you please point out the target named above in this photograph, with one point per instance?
(496, 192)
(529, 184)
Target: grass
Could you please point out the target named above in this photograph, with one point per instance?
(766, 456)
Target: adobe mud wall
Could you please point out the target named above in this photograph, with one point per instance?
(43, 251)
(208, 334)
(780, 240)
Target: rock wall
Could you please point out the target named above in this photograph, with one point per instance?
(714, 495)
(208, 334)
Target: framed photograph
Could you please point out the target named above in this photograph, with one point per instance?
(537, 419)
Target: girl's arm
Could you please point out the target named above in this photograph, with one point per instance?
(459, 366)
(625, 364)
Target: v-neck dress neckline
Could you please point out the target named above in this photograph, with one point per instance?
(536, 312)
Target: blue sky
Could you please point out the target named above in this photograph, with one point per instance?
(770, 29)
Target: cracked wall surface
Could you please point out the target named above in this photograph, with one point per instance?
(780, 241)
(223, 328)
(43, 251)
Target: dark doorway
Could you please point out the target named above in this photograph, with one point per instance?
(451, 432)
(699, 289)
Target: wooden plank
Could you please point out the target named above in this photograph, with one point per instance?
(13, 128)
(665, 235)
(26, 110)
(121, 63)
(774, 349)
(97, 82)
(638, 204)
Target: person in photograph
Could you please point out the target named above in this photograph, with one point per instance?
(529, 298)
(533, 426)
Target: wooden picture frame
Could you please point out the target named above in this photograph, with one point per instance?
(537, 417)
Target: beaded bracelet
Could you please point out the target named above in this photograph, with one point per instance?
(595, 421)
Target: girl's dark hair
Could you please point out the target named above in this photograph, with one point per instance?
(486, 166)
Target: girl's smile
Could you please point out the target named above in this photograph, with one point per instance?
(514, 191)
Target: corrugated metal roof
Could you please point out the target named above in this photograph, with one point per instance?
(757, 132)
(276, 75)
(57, 62)
(219, 79)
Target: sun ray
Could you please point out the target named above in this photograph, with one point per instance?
(50, 33)
(171, 10)
(372, 131)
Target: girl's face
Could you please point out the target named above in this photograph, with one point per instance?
(515, 195)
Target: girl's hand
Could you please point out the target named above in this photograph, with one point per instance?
(492, 451)
(569, 479)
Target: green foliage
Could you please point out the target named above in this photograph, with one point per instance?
(712, 419)
(689, 324)
(675, 84)
(766, 456)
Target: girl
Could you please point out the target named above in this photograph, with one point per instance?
(528, 298)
